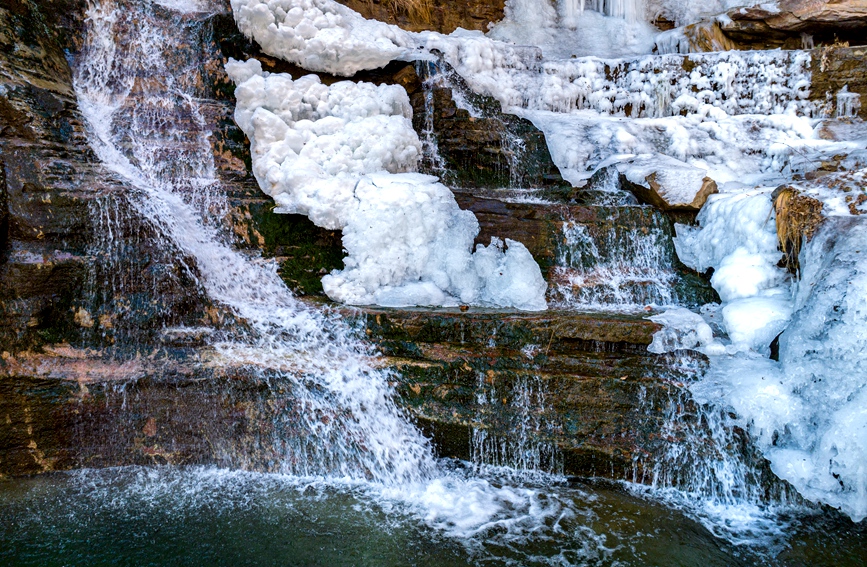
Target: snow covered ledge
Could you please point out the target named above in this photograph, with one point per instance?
(345, 156)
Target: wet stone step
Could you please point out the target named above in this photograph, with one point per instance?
(577, 392)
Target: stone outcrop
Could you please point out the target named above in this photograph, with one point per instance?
(438, 15)
(786, 24)
(666, 183)
(843, 20)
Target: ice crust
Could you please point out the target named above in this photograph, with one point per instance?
(737, 238)
(344, 155)
(320, 35)
(808, 412)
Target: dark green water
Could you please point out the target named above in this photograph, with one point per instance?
(165, 516)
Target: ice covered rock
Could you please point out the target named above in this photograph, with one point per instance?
(345, 156)
(808, 414)
(320, 35)
(800, 16)
(666, 183)
(737, 238)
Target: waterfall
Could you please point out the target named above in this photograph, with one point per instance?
(630, 10)
(148, 129)
(338, 417)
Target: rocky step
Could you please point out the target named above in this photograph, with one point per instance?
(631, 242)
(580, 385)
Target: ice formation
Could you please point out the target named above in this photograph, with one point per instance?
(685, 12)
(320, 35)
(808, 413)
(738, 239)
(345, 156)
(595, 27)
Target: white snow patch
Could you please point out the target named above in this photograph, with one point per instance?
(344, 155)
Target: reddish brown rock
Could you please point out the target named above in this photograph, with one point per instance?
(438, 15)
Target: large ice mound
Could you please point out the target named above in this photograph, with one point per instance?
(345, 156)
(320, 35)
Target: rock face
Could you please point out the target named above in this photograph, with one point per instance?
(845, 20)
(786, 24)
(599, 397)
(99, 366)
(438, 15)
(836, 68)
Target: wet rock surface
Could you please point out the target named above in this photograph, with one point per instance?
(601, 397)
(438, 15)
(483, 149)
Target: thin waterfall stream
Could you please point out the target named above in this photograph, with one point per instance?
(128, 98)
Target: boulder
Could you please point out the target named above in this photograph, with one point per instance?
(798, 16)
(666, 183)
(786, 24)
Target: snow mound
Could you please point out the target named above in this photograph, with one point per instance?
(344, 155)
(320, 35)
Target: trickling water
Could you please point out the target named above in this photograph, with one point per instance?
(146, 126)
(616, 267)
(518, 408)
(432, 162)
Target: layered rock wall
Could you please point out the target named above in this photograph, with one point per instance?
(438, 15)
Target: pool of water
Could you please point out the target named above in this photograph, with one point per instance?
(205, 516)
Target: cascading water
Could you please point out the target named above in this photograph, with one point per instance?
(516, 408)
(340, 421)
(131, 100)
(626, 266)
(432, 161)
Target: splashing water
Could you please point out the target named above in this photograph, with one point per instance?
(131, 101)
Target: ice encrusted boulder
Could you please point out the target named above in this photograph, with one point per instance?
(320, 35)
(345, 156)
(666, 183)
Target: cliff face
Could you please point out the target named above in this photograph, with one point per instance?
(786, 24)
